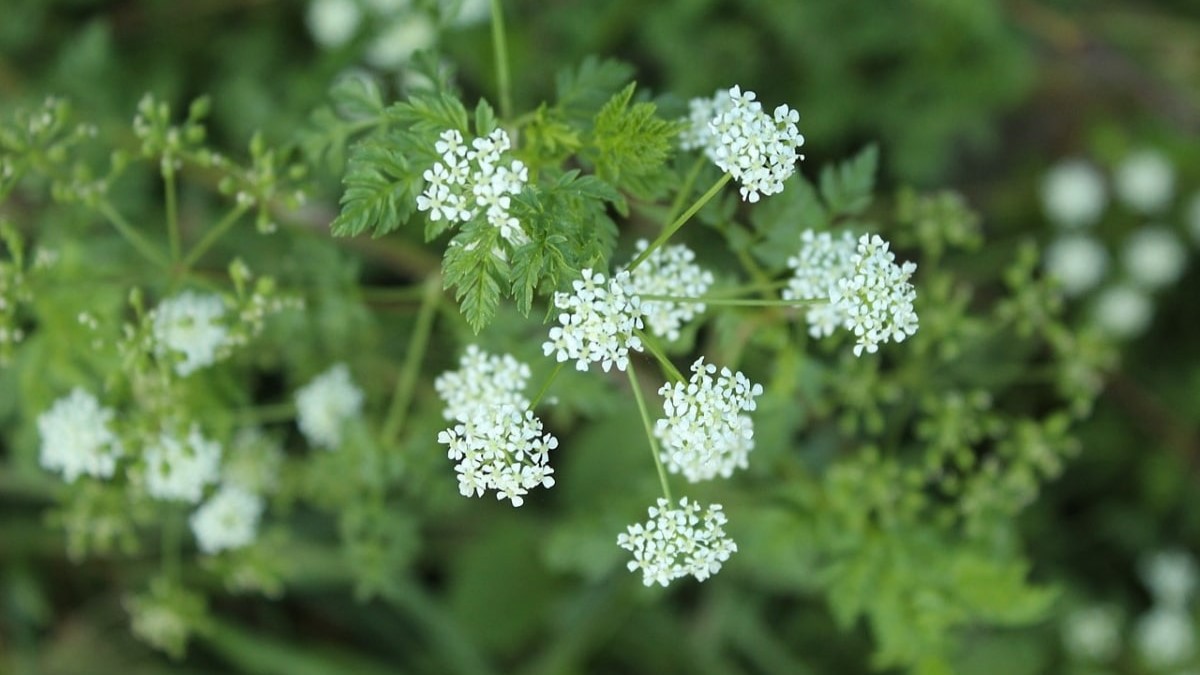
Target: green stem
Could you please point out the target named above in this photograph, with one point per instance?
(407, 381)
(135, 238)
(685, 190)
(500, 47)
(213, 235)
(674, 227)
(659, 355)
(168, 174)
(744, 302)
(546, 386)
(641, 403)
(266, 414)
(172, 545)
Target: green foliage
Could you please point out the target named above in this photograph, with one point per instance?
(630, 145)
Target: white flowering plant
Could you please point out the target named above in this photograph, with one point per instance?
(501, 368)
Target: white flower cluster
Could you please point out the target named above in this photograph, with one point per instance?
(497, 441)
(705, 433)
(228, 520)
(179, 470)
(1073, 194)
(188, 327)
(1154, 257)
(675, 543)
(77, 439)
(669, 270)
(1171, 577)
(877, 299)
(698, 134)
(482, 380)
(1145, 181)
(1166, 637)
(324, 405)
(470, 180)
(1078, 261)
(597, 322)
(1123, 310)
(1093, 634)
(759, 150)
(821, 262)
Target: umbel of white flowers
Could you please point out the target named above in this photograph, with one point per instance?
(178, 470)
(188, 328)
(597, 322)
(324, 405)
(474, 180)
(77, 438)
(669, 271)
(676, 542)
(497, 441)
(228, 520)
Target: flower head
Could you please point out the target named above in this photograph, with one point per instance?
(333, 22)
(1093, 634)
(669, 270)
(1166, 636)
(706, 432)
(77, 439)
(1078, 261)
(482, 380)
(877, 299)
(597, 322)
(823, 260)
(1171, 577)
(1123, 311)
(1073, 194)
(758, 150)
(179, 470)
(474, 179)
(1154, 257)
(1145, 181)
(228, 520)
(324, 405)
(500, 448)
(676, 542)
(188, 326)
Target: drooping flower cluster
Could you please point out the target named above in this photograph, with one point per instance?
(179, 470)
(676, 542)
(497, 441)
(877, 299)
(597, 322)
(759, 150)
(324, 405)
(228, 520)
(821, 262)
(187, 327)
(706, 432)
(473, 180)
(77, 438)
(669, 270)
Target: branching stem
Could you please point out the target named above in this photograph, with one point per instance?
(641, 403)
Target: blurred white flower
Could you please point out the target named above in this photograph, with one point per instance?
(1123, 311)
(482, 381)
(1154, 257)
(324, 405)
(188, 325)
(822, 262)
(1145, 181)
(400, 40)
(1073, 194)
(77, 439)
(1193, 217)
(1078, 261)
(669, 270)
(1093, 634)
(675, 543)
(463, 13)
(333, 22)
(1165, 637)
(179, 470)
(1171, 577)
(253, 461)
(228, 520)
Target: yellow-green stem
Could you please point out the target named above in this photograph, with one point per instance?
(641, 403)
(500, 48)
(213, 235)
(679, 222)
(407, 381)
(173, 238)
(659, 355)
(685, 190)
(135, 238)
(545, 387)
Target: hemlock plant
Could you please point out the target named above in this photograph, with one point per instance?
(854, 424)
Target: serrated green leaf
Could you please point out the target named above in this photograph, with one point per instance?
(583, 90)
(630, 144)
(847, 188)
(430, 114)
(357, 96)
(476, 273)
(379, 193)
(485, 118)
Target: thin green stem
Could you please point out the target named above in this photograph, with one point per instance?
(659, 355)
(679, 222)
(545, 387)
(168, 174)
(135, 238)
(407, 381)
(743, 302)
(641, 403)
(213, 235)
(267, 414)
(172, 545)
(685, 190)
(500, 48)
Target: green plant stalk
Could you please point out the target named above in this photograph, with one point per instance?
(135, 238)
(172, 545)
(656, 351)
(500, 48)
(684, 190)
(546, 386)
(407, 381)
(641, 403)
(213, 235)
(170, 190)
(266, 414)
(679, 222)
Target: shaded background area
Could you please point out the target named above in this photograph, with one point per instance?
(981, 96)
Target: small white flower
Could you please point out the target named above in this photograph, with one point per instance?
(228, 520)
(1154, 257)
(500, 448)
(597, 322)
(1123, 311)
(77, 439)
(675, 542)
(698, 134)
(179, 470)
(1078, 261)
(1171, 577)
(188, 326)
(705, 433)
(1166, 637)
(823, 260)
(324, 405)
(877, 299)
(482, 380)
(1093, 634)
(333, 22)
(1073, 194)
(758, 150)
(401, 39)
(1145, 181)
(462, 13)
(669, 270)
(472, 180)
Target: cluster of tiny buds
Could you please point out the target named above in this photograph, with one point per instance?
(597, 323)
(471, 180)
